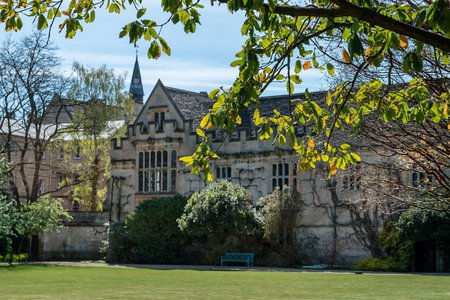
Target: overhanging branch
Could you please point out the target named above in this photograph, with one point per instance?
(346, 9)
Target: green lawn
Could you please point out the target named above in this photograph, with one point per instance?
(56, 282)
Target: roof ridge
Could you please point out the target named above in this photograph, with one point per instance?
(293, 95)
(186, 91)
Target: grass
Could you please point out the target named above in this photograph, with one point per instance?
(57, 282)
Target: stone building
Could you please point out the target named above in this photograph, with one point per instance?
(145, 164)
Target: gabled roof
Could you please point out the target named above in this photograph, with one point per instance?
(192, 106)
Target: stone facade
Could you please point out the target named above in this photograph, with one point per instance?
(145, 165)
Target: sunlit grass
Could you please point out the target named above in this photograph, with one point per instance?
(56, 282)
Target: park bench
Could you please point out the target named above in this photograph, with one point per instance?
(238, 257)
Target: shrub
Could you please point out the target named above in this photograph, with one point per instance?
(153, 231)
(220, 210)
(379, 264)
(119, 245)
(15, 257)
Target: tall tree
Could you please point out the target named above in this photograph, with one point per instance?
(103, 105)
(30, 78)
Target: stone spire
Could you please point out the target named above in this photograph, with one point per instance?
(136, 88)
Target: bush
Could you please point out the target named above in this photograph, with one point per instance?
(220, 210)
(15, 257)
(153, 231)
(379, 264)
(119, 246)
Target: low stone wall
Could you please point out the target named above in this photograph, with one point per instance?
(83, 237)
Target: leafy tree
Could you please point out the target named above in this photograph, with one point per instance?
(30, 76)
(153, 231)
(284, 39)
(101, 104)
(8, 211)
(280, 211)
(432, 224)
(21, 221)
(220, 210)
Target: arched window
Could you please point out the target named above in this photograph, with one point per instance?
(161, 121)
(156, 121)
(154, 173)
(165, 159)
(280, 175)
(173, 180)
(146, 160)
(141, 160)
(158, 159)
(173, 159)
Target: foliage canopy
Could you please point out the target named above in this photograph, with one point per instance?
(222, 209)
(153, 230)
(283, 40)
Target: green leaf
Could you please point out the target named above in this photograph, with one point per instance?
(236, 63)
(141, 12)
(412, 62)
(154, 51)
(330, 69)
(213, 93)
(355, 46)
(165, 47)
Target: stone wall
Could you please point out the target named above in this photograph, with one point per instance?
(82, 238)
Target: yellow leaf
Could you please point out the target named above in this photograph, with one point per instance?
(325, 157)
(367, 53)
(333, 169)
(355, 156)
(403, 41)
(200, 132)
(238, 120)
(189, 160)
(307, 65)
(206, 122)
(257, 118)
(445, 108)
(311, 143)
(329, 99)
(346, 57)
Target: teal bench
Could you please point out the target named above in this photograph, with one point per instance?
(238, 257)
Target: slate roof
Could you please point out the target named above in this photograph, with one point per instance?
(193, 106)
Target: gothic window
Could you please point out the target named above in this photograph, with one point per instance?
(156, 121)
(352, 180)
(75, 206)
(41, 187)
(154, 172)
(173, 180)
(162, 118)
(159, 121)
(420, 179)
(280, 174)
(173, 159)
(13, 149)
(77, 153)
(61, 181)
(60, 154)
(223, 172)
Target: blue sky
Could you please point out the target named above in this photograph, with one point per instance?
(199, 61)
